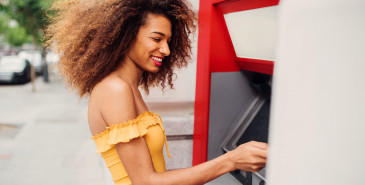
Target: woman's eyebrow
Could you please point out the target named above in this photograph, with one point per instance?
(162, 34)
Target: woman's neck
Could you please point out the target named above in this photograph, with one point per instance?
(129, 72)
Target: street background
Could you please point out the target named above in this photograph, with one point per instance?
(45, 139)
(44, 134)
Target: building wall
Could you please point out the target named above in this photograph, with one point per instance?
(317, 119)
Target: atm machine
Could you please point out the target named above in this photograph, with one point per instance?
(236, 53)
(318, 88)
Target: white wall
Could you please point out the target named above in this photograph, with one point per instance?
(317, 134)
(186, 78)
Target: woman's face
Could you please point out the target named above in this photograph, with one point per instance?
(151, 44)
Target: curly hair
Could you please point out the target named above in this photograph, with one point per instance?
(93, 36)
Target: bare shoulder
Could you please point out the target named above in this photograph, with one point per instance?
(112, 85)
(114, 100)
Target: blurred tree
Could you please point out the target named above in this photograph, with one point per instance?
(4, 23)
(14, 35)
(17, 36)
(4, 27)
(30, 14)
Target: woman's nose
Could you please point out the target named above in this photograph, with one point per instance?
(165, 49)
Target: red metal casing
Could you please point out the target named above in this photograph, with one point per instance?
(216, 54)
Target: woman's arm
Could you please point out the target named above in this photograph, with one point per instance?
(137, 161)
(117, 105)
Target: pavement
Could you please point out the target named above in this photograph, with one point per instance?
(45, 139)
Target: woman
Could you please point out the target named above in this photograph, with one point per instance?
(111, 47)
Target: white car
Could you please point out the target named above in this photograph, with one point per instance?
(35, 58)
(14, 69)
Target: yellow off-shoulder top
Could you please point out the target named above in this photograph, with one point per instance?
(147, 125)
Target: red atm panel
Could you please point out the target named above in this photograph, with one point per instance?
(216, 54)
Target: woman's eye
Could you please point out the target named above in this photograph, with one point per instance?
(156, 39)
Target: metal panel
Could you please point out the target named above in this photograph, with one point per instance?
(231, 94)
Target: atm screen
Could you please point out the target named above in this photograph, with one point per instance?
(258, 130)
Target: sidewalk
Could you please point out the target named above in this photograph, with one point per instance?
(45, 139)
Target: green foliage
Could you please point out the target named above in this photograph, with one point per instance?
(17, 36)
(4, 23)
(31, 15)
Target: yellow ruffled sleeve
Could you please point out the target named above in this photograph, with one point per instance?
(124, 132)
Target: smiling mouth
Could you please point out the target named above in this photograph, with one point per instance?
(157, 60)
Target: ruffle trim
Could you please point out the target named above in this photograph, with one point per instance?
(133, 121)
(125, 132)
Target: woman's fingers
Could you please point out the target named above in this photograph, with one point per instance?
(259, 148)
(250, 156)
(261, 145)
(261, 153)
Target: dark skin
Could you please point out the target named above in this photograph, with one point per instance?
(116, 99)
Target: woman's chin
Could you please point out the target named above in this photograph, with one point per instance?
(153, 70)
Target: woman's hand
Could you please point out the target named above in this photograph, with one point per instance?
(250, 156)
